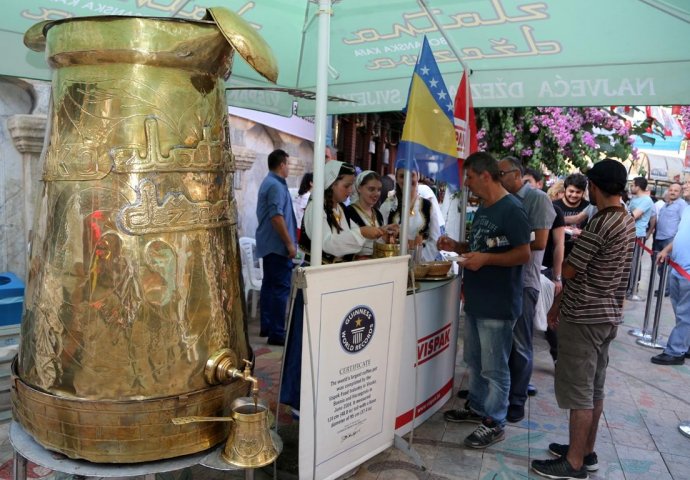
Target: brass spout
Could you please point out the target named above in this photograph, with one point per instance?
(247, 375)
(220, 368)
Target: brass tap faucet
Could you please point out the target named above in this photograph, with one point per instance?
(220, 368)
(247, 376)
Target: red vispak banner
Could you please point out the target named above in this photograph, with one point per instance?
(465, 125)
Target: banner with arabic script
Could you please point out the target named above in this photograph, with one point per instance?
(521, 52)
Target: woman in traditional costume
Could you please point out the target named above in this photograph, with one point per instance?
(341, 242)
(423, 227)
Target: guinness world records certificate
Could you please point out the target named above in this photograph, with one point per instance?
(350, 363)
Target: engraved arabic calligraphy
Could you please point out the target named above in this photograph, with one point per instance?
(82, 161)
(176, 213)
(208, 155)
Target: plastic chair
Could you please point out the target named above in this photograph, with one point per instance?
(252, 271)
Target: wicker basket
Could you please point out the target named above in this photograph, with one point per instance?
(437, 269)
(421, 270)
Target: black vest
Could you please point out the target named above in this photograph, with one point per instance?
(353, 215)
(305, 242)
(425, 211)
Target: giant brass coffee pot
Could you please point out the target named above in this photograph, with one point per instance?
(134, 275)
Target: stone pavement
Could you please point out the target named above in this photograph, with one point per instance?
(638, 434)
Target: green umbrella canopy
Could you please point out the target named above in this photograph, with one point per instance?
(521, 52)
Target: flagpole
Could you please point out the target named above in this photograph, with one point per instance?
(465, 192)
(323, 47)
(404, 210)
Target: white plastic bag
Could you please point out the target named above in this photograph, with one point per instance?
(544, 304)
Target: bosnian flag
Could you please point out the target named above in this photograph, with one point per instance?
(428, 139)
(465, 131)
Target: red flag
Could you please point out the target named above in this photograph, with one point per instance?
(465, 136)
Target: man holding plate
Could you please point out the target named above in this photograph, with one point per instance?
(498, 247)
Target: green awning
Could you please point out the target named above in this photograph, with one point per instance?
(541, 53)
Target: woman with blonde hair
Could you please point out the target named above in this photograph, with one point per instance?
(556, 191)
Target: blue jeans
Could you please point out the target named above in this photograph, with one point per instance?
(679, 340)
(521, 355)
(275, 291)
(486, 349)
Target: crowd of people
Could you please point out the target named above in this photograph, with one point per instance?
(580, 235)
(596, 238)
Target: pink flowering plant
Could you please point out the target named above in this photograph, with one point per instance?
(558, 137)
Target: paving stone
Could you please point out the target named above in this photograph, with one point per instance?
(545, 423)
(456, 433)
(505, 467)
(639, 464)
(457, 462)
(517, 441)
(432, 429)
(639, 438)
(672, 441)
(623, 419)
(678, 465)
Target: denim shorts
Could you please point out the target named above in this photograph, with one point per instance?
(583, 355)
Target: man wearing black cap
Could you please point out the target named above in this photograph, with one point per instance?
(587, 314)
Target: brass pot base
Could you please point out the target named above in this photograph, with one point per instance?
(123, 431)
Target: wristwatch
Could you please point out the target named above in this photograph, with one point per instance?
(557, 278)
